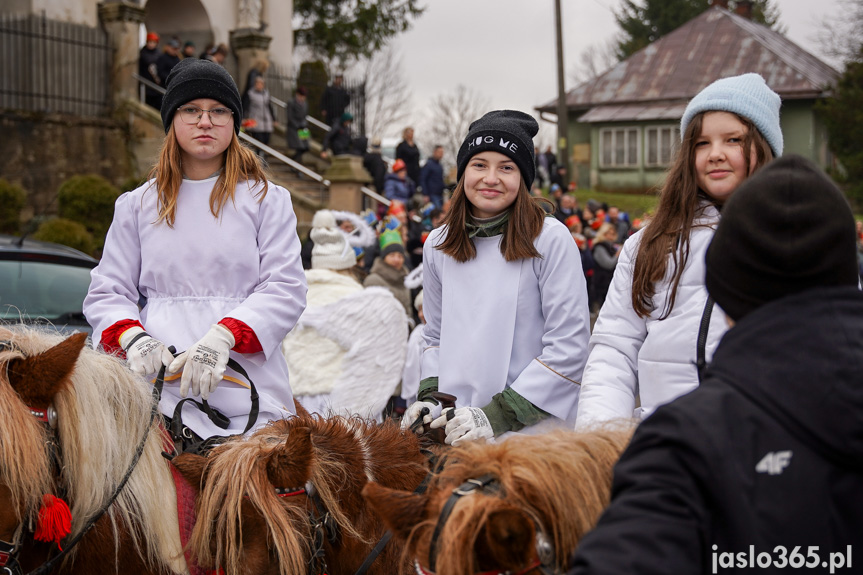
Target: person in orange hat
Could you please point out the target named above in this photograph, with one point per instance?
(397, 185)
(147, 70)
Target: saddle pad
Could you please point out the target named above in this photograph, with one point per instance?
(186, 516)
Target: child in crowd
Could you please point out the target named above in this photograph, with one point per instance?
(389, 269)
(657, 321)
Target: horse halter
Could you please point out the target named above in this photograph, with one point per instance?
(486, 483)
(9, 564)
(9, 554)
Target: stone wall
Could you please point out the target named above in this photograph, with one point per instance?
(39, 152)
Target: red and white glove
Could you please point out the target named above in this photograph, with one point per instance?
(468, 424)
(204, 363)
(144, 354)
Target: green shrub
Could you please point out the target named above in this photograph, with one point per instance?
(131, 183)
(88, 200)
(66, 232)
(313, 76)
(12, 201)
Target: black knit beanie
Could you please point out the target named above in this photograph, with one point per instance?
(193, 78)
(786, 229)
(506, 131)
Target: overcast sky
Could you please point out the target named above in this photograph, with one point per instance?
(505, 49)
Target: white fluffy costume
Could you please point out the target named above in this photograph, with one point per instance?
(347, 352)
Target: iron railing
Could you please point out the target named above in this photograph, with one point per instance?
(53, 67)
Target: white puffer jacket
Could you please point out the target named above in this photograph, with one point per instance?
(630, 356)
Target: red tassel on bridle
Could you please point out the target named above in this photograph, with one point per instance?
(55, 520)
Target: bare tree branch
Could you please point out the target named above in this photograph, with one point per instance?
(593, 61)
(448, 118)
(841, 35)
(388, 96)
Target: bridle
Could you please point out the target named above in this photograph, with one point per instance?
(489, 484)
(10, 564)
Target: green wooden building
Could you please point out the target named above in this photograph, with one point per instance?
(624, 126)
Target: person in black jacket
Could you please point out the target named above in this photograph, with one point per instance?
(409, 153)
(334, 101)
(761, 467)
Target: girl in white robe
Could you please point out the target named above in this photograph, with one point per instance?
(504, 296)
(204, 257)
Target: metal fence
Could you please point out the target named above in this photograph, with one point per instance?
(53, 67)
(281, 85)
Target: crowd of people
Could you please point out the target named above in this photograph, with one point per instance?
(726, 326)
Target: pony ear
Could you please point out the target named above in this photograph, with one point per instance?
(38, 378)
(191, 466)
(300, 410)
(506, 540)
(400, 510)
(291, 464)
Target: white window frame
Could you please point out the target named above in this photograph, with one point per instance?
(652, 138)
(629, 160)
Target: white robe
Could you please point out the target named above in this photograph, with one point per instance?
(245, 265)
(494, 324)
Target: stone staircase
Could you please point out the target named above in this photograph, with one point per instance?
(307, 195)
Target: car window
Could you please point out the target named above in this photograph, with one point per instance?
(42, 290)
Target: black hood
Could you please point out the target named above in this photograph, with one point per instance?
(800, 359)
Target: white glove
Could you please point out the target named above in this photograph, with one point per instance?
(206, 360)
(468, 424)
(412, 412)
(147, 355)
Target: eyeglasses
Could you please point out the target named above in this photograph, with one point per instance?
(193, 114)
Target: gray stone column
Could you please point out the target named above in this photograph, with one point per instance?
(249, 46)
(121, 21)
(347, 175)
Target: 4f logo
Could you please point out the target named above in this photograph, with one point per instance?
(774, 463)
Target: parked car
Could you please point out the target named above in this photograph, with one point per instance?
(43, 283)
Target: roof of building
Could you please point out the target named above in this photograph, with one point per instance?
(658, 80)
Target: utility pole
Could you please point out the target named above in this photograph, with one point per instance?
(562, 128)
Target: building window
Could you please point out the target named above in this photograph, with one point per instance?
(660, 144)
(619, 147)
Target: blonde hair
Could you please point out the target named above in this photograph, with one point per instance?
(240, 163)
(603, 231)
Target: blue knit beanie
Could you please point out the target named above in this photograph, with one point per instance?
(747, 96)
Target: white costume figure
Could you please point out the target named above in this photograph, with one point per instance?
(347, 352)
(245, 265)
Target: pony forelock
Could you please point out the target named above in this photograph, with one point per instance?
(102, 418)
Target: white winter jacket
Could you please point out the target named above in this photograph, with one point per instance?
(630, 356)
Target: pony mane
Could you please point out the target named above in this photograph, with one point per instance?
(236, 474)
(561, 479)
(102, 418)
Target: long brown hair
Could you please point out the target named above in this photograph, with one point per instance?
(668, 231)
(524, 226)
(241, 163)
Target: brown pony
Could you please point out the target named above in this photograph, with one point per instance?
(295, 486)
(103, 414)
(517, 506)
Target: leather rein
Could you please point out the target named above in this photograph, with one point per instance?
(490, 484)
